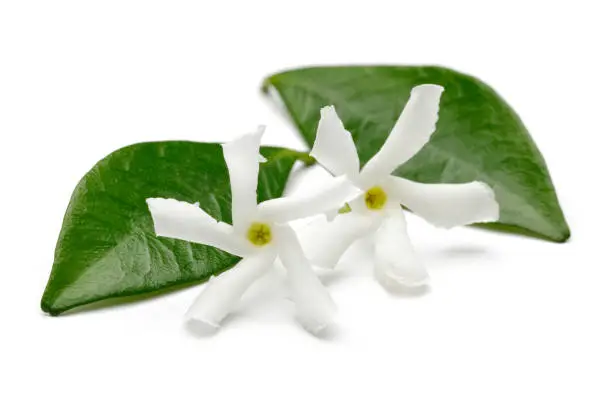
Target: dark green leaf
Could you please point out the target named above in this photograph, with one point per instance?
(478, 136)
(107, 247)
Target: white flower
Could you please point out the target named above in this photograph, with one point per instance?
(259, 235)
(378, 209)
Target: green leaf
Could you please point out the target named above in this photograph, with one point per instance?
(478, 136)
(107, 247)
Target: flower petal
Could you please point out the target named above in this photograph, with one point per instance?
(181, 220)
(334, 147)
(447, 205)
(410, 133)
(223, 292)
(325, 243)
(396, 264)
(315, 308)
(242, 159)
(332, 195)
(358, 204)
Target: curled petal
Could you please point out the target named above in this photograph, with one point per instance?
(447, 205)
(223, 292)
(410, 133)
(181, 220)
(324, 244)
(242, 159)
(315, 308)
(332, 195)
(334, 148)
(396, 264)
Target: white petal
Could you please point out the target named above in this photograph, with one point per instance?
(334, 147)
(181, 220)
(223, 292)
(331, 215)
(324, 243)
(315, 308)
(242, 160)
(332, 195)
(358, 204)
(411, 132)
(396, 264)
(447, 205)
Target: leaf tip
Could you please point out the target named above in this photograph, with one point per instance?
(49, 301)
(266, 84)
(47, 306)
(564, 235)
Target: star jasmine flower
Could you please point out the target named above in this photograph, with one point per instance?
(259, 235)
(377, 211)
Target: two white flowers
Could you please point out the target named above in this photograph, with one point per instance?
(260, 232)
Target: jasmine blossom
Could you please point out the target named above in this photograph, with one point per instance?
(377, 211)
(259, 234)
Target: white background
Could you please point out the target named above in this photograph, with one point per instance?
(509, 322)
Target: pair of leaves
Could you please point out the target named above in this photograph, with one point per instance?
(107, 247)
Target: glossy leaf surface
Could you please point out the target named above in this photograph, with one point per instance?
(107, 247)
(478, 136)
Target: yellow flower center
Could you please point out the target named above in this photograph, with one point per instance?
(259, 234)
(375, 198)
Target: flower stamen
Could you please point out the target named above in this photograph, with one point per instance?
(259, 234)
(375, 198)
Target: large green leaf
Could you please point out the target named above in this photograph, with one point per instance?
(478, 136)
(107, 247)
